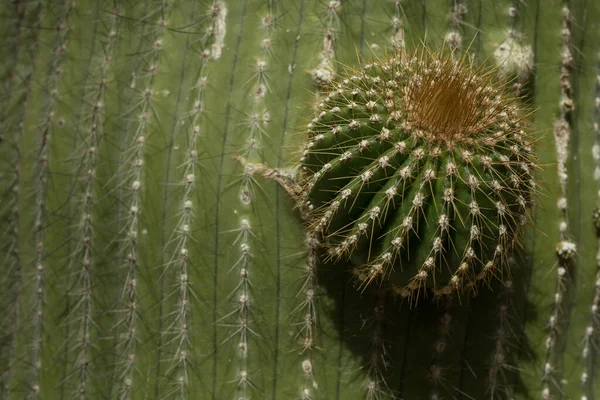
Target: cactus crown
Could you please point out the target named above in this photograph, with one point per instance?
(419, 170)
(444, 98)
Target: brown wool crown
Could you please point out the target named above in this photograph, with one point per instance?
(451, 100)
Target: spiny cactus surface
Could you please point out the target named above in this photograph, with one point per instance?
(140, 259)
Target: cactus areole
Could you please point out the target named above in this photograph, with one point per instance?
(418, 169)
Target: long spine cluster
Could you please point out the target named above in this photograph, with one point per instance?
(23, 52)
(128, 316)
(590, 337)
(42, 175)
(566, 249)
(83, 258)
(181, 327)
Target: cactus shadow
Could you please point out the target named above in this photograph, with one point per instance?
(467, 348)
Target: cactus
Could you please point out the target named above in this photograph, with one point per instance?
(157, 234)
(418, 149)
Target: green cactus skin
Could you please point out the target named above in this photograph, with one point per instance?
(419, 170)
(140, 260)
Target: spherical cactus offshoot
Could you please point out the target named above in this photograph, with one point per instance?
(419, 170)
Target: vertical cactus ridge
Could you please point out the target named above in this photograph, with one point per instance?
(82, 263)
(307, 314)
(584, 311)
(47, 128)
(238, 380)
(133, 187)
(17, 73)
(565, 248)
(177, 353)
(590, 341)
(242, 317)
(156, 232)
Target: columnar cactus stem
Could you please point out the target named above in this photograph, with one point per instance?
(139, 260)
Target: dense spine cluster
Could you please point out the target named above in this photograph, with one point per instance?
(418, 170)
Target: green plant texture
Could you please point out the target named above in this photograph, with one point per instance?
(150, 248)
